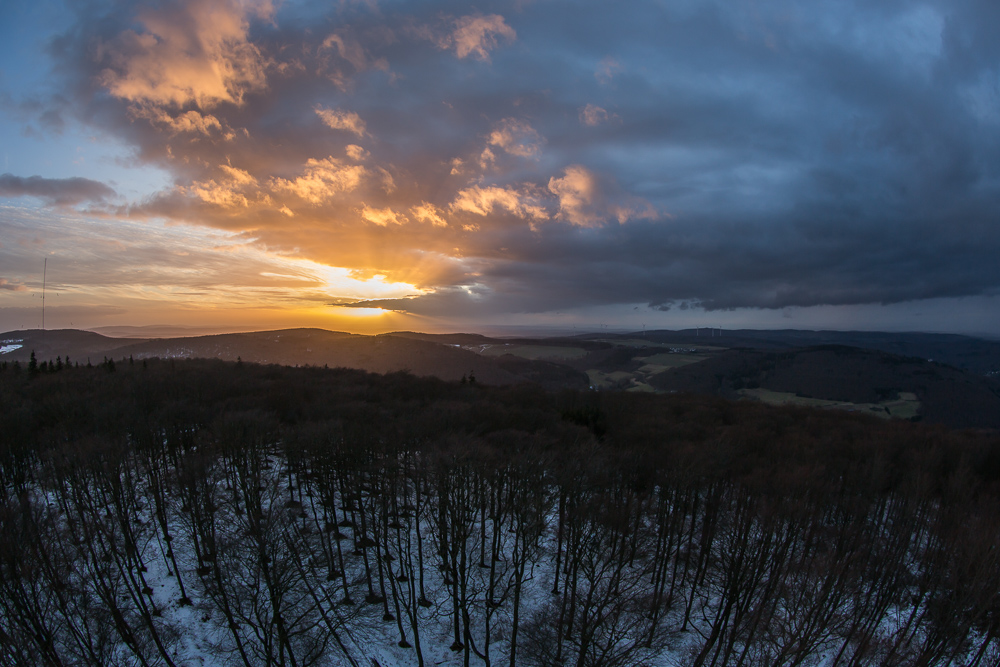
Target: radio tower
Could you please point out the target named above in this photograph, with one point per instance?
(45, 268)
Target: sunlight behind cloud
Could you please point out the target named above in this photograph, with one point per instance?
(254, 158)
(342, 283)
(100, 272)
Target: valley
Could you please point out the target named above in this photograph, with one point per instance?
(866, 372)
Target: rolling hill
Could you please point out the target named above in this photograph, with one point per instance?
(846, 375)
(936, 378)
(305, 347)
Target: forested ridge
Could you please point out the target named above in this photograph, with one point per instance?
(203, 512)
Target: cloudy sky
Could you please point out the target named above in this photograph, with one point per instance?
(378, 165)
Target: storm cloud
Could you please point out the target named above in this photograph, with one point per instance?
(530, 157)
(55, 191)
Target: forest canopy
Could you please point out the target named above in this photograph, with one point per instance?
(158, 511)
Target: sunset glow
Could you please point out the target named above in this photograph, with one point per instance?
(370, 165)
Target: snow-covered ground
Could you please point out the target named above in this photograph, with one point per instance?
(258, 545)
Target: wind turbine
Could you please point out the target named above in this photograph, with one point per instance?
(45, 268)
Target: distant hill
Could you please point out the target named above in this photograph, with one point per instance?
(165, 331)
(304, 347)
(50, 343)
(947, 395)
(930, 377)
(977, 355)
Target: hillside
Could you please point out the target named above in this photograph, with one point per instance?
(976, 355)
(849, 375)
(79, 345)
(771, 366)
(305, 347)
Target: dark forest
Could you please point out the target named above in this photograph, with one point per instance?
(155, 512)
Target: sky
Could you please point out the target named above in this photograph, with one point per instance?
(441, 166)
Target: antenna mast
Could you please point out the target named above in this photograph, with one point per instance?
(45, 268)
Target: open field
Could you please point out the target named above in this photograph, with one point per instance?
(602, 380)
(905, 407)
(660, 362)
(619, 380)
(638, 386)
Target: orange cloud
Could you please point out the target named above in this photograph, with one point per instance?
(350, 51)
(482, 201)
(516, 137)
(593, 115)
(477, 36)
(381, 216)
(582, 203)
(576, 190)
(637, 209)
(388, 182)
(228, 192)
(322, 180)
(356, 152)
(219, 194)
(342, 120)
(238, 175)
(486, 160)
(426, 212)
(197, 53)
(190, 121)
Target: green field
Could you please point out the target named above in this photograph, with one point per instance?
(904, 407)
(534, 351)
(602, 380)
(618, 380)
(638, 386)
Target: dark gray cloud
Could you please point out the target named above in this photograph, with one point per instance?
(766, 155)
(55, 191)
(11, 286)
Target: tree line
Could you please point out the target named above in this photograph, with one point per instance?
(312, 516)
